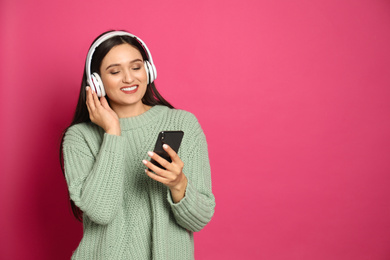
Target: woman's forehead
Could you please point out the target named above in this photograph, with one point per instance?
(122, 53)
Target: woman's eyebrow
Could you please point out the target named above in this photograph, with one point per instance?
(117, 64)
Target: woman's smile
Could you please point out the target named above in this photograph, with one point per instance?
(130, 89)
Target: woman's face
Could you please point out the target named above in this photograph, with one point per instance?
(124, 77)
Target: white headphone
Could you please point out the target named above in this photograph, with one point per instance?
(94, 80)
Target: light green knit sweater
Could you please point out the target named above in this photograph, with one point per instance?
(127, 215)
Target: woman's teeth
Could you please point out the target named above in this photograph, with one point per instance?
(129, 89)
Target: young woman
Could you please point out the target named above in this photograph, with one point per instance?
(130, 208)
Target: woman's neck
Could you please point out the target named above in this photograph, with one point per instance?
(131, 111)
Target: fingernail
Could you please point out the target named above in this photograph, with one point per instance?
(150, 154)
(144, 161)
(165, 146)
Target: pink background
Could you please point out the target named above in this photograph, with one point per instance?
(292, 95)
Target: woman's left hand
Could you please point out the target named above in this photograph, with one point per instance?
(173, 177)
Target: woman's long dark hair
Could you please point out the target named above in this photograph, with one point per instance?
(151, 98)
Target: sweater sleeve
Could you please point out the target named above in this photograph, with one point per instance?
(94, 178)
(196, 209)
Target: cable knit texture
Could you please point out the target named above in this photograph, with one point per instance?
(127, 215)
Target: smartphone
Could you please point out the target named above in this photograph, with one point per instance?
(171, 138)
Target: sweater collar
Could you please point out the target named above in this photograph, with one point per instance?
(147, 117)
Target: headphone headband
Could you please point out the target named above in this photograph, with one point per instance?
(105, 37)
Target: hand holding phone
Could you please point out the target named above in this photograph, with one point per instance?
(171, 138)
(172, 176)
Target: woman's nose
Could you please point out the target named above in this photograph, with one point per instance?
(127, 77)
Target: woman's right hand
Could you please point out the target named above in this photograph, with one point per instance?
(101, 113)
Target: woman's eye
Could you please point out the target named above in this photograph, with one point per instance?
(136, 68)
(114, 72)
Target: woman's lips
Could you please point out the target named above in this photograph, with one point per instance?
(130, 90)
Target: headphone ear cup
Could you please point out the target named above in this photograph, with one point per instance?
(146, 65)
(98, 85)
(153, 68)
(151, 72)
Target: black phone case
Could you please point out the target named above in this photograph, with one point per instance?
(171, 138)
